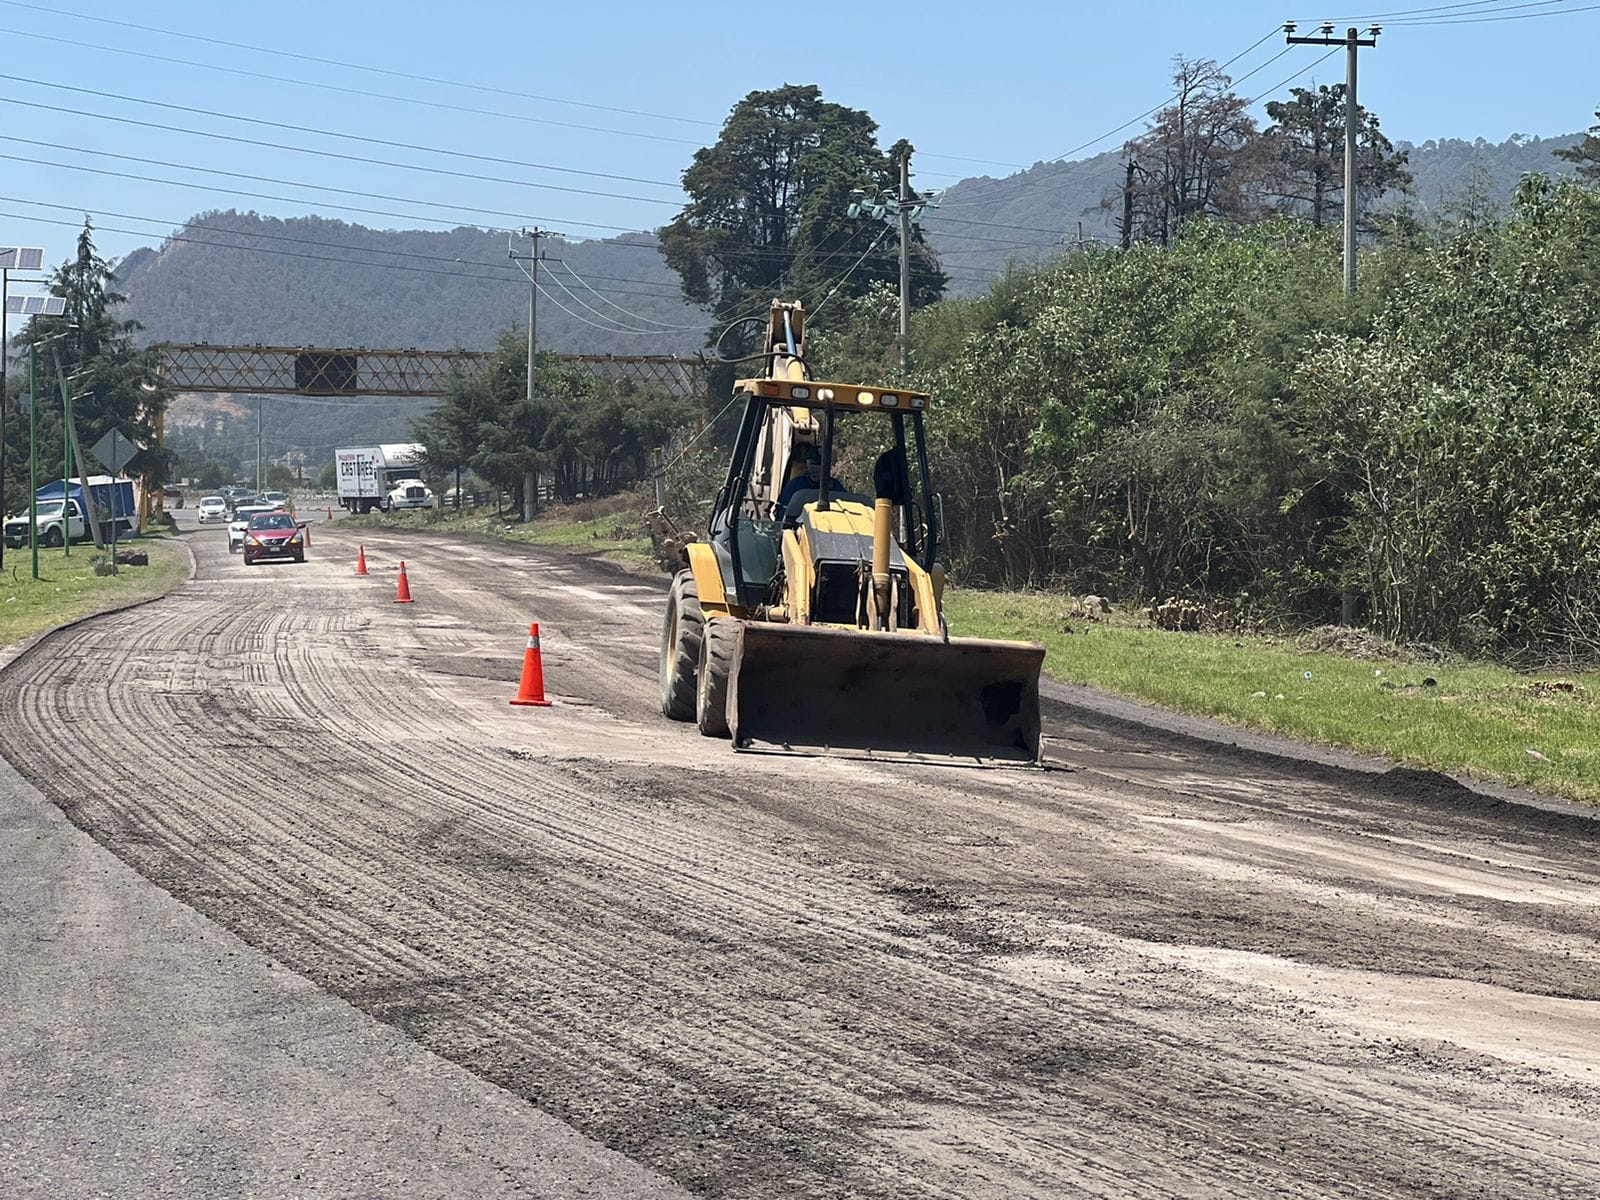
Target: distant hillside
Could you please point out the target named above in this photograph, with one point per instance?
(1446, 170)
(1050, 199)
(282, 288)
(275, 282)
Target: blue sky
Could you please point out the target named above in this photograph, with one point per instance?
(980, 89)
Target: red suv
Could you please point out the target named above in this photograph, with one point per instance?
(273, 535)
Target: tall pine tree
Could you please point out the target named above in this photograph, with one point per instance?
(115, 383)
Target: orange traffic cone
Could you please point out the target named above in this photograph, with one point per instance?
(403, 592)
(531, 692)
(361, 560)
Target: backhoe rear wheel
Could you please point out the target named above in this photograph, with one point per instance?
(716, 665)
(681, 633)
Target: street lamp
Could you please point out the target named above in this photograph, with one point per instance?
(33, 444)
(12, 258)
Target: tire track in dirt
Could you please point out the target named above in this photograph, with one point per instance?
(885, 983)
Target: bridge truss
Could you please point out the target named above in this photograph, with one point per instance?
(409, 374)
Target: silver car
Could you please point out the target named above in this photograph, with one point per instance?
(241, 522)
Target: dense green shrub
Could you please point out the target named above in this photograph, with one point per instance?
(1218, 418)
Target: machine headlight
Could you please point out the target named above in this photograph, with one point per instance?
(865, 397)
(889, 400)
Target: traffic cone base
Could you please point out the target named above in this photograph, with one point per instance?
(530, 693)
(402, 593)
(361, 560)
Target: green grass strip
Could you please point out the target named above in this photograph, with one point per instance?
(1540, 731)
(68, 588)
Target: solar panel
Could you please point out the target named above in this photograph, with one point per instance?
(21, 258)
(33, 306)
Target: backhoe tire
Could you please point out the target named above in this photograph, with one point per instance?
(716, 666)
(680, 648)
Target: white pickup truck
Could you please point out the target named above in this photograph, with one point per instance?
(55, 526)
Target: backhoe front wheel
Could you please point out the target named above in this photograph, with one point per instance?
(681, 634)
(716, 666)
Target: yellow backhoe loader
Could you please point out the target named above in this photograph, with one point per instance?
(811, 620)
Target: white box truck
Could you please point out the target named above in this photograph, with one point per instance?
(368, 473)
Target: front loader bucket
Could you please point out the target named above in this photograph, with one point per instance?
(808, 690)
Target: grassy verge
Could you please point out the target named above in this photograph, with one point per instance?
(612, 536)
(1541, 731)
(68, 588)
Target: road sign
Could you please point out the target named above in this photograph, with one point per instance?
(114, 450)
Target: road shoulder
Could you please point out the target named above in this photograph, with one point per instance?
(145, 1050)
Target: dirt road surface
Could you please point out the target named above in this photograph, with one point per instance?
(1155, 969)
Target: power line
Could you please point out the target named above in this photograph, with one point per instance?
(320, 187)
(390, 73)
(879, 241)
(1482, 5)
(144, 161)
(620, 327)
(240, 233)
(263, 250)
(1282, 83)
(443, 105)
(396, 97)
(334, 154)
(1554, 12)
(330, 133)
(1149, 112)
(636, 316)
(318, 202)
(349, 66)
(276, 237)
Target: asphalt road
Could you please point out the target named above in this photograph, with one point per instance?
(1157, 969)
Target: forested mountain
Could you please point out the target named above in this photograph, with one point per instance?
(234, 277)
(457, 288)
(984, 223)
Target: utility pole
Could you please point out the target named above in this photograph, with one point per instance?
(1352, 42)
(66, 464)
(33, 468)
(530, 479)
(1127, 203)
(258, 447)
(904, 206)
